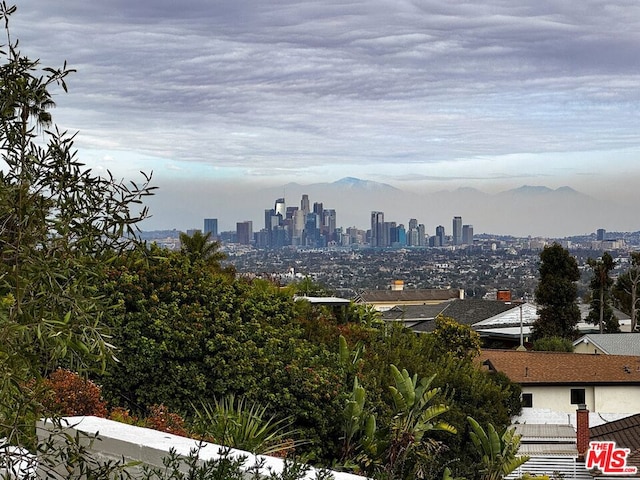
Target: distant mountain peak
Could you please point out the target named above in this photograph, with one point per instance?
(541, 190)
(530, 189)
(353, 182)
(566, 189)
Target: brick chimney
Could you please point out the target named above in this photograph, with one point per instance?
(582, 431)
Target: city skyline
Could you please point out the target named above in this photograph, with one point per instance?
(518, 212)
(221, 101)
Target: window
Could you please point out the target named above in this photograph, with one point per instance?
(577, 396)
(527, 400)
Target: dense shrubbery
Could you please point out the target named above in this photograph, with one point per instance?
(188, 333)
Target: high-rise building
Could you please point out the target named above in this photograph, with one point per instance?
(280, 207)
(601, 234)
(318, 209)
(439, 240)
(377, 229)
(304, 204)
(244, 232)
(211, 226)
(467, 234)
(329, 223)
(457, 230)
(422, 235)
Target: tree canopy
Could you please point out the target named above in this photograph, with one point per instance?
(556, 294)
(60, 224)
(600, 309)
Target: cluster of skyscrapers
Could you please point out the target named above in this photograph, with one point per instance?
(315, 227)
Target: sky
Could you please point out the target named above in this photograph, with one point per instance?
(221, 99)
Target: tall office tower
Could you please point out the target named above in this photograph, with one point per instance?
(329, 223)
(413, 239)
(467, 234)
(268, 214)
(318, 209)
(457, 230)
(439, 240)
(601, 234)
(298, 226)
(280, 208)
(400, 236)
(290, 212)
(413, 223)
(422, 235)
(304, 204)
(377, 229)
(244, 232)
(311, 230)
(211, 226)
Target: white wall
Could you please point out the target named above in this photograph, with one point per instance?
(603, 399)
(118, 441)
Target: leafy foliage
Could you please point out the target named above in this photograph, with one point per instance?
(59, 225)
(72, 395)
(600, 310)
(233, 422)
(453, 338)
(625, 289)
(498, 453)
(556, 294)
(553, 344)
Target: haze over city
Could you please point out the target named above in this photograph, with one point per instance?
(229, 103)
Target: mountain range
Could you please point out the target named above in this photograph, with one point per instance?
(528, 210)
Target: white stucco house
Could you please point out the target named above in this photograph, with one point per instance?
(562, 381)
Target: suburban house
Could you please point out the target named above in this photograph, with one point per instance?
(469, 311)
(385, 299)
(560, 381)
(608, 344)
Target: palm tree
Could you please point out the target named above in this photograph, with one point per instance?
(200, 247)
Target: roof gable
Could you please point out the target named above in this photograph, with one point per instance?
(544, 368)
(613, 343)
(417, 295)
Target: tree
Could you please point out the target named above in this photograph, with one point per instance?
(456, 339)
(600, 311)
(60, 224)
(201, 247)
(625, 289)
(556, 294)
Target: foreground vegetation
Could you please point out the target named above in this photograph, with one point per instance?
(173, 341)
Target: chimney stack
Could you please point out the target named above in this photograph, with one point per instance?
(582, 431)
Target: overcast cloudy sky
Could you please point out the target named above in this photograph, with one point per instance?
(423, 94)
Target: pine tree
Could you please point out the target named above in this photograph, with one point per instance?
(556, 294)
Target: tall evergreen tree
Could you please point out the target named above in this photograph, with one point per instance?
(600, 311)
(626, 292)
(556, 294)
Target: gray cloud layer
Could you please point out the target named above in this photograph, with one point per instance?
(282, 85)
(416, 80)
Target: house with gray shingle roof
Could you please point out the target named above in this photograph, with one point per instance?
(386, 299)
(421, 318)
(561, 381)
(608, 344)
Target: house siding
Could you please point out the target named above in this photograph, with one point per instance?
(603, 399)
